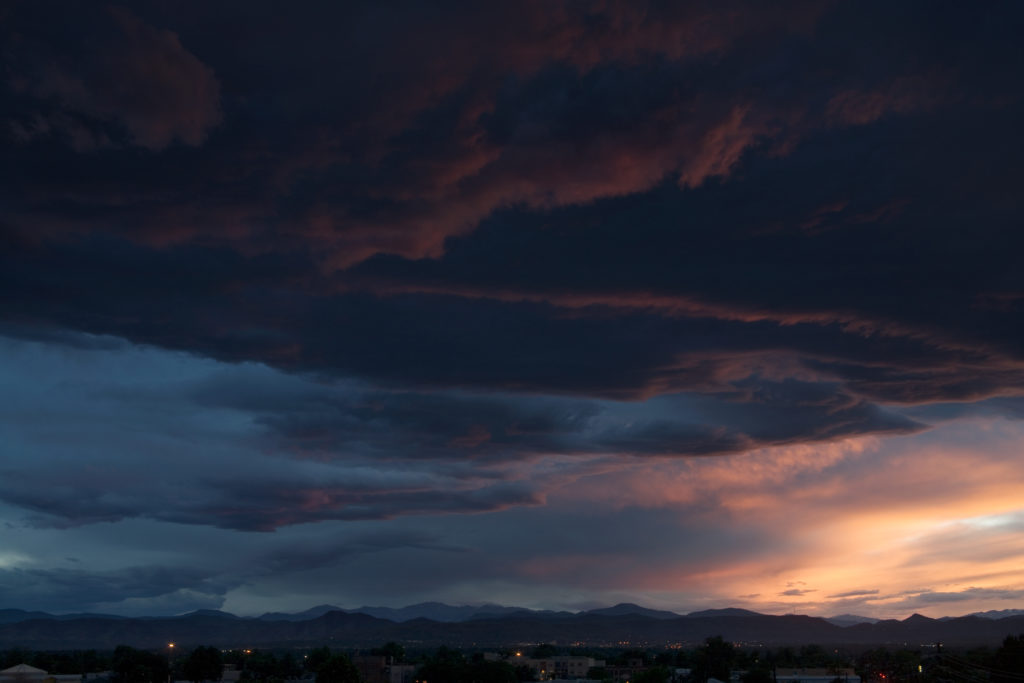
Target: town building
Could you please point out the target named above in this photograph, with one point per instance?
(568, 667)
(23, 673)
(381, 669)
(816, 675)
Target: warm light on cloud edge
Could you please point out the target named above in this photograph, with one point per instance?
(879, 527)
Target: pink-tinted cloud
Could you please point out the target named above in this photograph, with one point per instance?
(498, 144)
(912, 525)
(899, 96)
(447, 190)
(689, 141)
(526, 262)
(960, 364)
(482, 44)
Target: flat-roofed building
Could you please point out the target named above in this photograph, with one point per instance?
(24, 673)
(816, 675)
(571, 667)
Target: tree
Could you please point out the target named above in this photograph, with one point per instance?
(204, 663)
(337, 669)
(898, 663)
(136, 666)
(1009, 660)
(714, 660)
(757, 675)
(317, 657)
(450, 666)
(391, 649)
(262, 665)
(544, 651)
(525, 673)
(626, 656)
(288, 666)
(445, 666)
(490, 672)
(655, 674)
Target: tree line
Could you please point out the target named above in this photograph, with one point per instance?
(714, 658)
(204, 663)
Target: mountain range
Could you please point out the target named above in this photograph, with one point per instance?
(433, 624)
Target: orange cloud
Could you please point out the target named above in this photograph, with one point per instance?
(882, 527)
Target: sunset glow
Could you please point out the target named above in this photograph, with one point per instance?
(541, 304)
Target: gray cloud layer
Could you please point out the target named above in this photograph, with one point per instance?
(341, 265)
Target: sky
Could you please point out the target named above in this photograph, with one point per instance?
(547, 303)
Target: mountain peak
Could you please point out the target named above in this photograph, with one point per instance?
(916, 618)
(850, 620)
(997, 613)
(624, 608)
(311, 613)
(725, 612)
(211, 613)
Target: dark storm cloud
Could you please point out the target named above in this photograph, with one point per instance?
(551, 546)
(383, 160)
(262, 498)
(340, 421)
(702, 128)
(266, 500)
(224, 305)
(529, 231)
(1012, 408)
(63, 337)
(266, 505)
(329, 419)
(65, 590)
(301, 557)
(278, 450)
(101, 74)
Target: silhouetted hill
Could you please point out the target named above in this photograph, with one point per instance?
(209, 613)
(438, 611)
(850, 620)
(917, 630)
(344, 629)
(514, 612)
(311, 613)
(624, 608)
(998, 613)
(435, 611)
(725, 612)
(13, 616)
